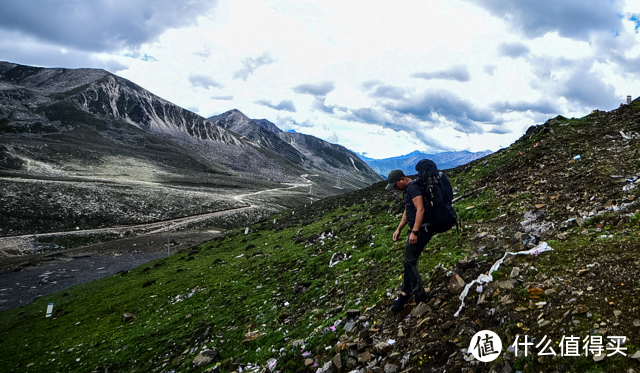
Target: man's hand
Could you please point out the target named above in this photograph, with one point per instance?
(396, 234)
(413, 238)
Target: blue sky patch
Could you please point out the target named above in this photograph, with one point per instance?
(636, 19)
(144, 57)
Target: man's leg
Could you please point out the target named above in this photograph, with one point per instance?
(412, 280)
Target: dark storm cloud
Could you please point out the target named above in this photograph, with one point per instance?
(489, 69)
(630, 65)
(315, 89)
(543, 67)
(370, 84)
(366, 115)
(458, 72)
(114, 66)
(575, 19)
(33, 52)
(541, 106)
(319, 103)
(203, 81)
(586, 89)
(286, 123)
(249, 66)
(285, 105)
(513, 50)
(500, 130)
(432, 105)
(388, 91)
(98, 25)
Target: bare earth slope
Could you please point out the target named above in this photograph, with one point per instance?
(83, 148)
(565, 193)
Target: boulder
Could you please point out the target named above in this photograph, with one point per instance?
(456, 284)
(206, 357)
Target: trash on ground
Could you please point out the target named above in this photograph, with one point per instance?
(338, 257)
(542, 247)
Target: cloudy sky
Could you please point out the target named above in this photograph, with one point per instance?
(379, 77)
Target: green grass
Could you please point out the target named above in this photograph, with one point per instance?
(213, 295)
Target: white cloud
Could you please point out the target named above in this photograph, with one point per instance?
(459, 73)
(203, 81)
(98, 25)
(384, 79)
(249, 66)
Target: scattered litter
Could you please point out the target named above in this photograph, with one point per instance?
(391, 342)
(240, 256)
(593, 265)
(623, 135)
(485, 162)
(542, 247)
(246, 230)
(541, 304)
(576, 157)
(271, 364)
(286, 304)
(536, 145)
(338, 257)
(49, 309)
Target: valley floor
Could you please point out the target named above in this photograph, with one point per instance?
(25, 278)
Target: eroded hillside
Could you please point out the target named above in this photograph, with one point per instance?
(86, 149)
(270, 295)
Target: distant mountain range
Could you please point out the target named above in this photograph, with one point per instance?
(407, 163)
(91, 111)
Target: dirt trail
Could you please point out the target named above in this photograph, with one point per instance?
(26, 243)
(25, 277)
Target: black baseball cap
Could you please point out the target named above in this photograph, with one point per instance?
(394, 176)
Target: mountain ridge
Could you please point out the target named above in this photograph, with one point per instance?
(89, 123)
(406, 163)
(547, 247)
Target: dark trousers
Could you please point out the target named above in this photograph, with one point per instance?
(412, 280)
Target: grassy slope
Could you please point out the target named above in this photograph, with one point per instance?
(233, 295)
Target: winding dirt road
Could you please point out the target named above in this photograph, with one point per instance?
(26, 277)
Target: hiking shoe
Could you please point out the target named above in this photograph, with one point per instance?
(400, 302)
(422, 298)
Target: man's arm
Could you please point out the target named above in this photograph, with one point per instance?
(418, 203)
(403, 222)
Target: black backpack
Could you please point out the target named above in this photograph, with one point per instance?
(439, 215)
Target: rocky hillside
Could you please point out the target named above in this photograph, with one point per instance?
(309, 289)
(308, 151)
(69, 130)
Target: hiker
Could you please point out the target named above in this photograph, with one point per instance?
(416, 241)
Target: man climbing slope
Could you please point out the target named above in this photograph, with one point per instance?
(416, 241)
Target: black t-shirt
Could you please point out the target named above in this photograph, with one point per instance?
(413, 190)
